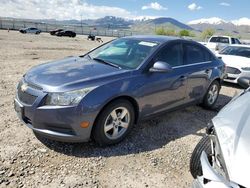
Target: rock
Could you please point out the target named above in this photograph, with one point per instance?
(11, 174)
(2, 172)
(42, 150)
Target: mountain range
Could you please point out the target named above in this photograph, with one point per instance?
(235, 27)
(148, 25)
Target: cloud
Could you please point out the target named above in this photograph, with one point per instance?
(225, 4)
(194, 6)
(154, 6)
(60, 9)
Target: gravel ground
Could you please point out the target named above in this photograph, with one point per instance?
(155, 154)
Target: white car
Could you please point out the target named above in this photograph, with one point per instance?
(237, 60)
(222, 158)
(31, 30)
(216, 43)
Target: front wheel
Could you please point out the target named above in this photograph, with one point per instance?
(195, 164)
(212, 95)
(114, 123)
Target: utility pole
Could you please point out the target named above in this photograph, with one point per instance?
(1, 24)
(81, 24)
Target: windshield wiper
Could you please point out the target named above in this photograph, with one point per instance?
(106, 62)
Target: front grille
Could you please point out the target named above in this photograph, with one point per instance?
(60, 128)
(230, 78)
(25, 97)
(231, 70)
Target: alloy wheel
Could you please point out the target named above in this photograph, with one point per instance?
(213, 94)
(117, 123)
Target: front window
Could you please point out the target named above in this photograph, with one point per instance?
(125, 53)
(237, 51)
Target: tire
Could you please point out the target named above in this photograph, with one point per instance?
(208, 102)
(104, 119)
(195, 164)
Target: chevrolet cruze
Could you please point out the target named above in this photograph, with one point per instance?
(103, 93)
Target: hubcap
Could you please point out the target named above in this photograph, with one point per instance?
(213, 94)
(117, 123)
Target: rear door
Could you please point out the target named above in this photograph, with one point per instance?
(198, 63)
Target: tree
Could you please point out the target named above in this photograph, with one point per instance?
(184, 33)
(160, 31)
(168, 32)
(207, 33)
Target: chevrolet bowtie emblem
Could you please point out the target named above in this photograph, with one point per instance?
(24, 87)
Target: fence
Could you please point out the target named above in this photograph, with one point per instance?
(14, 24)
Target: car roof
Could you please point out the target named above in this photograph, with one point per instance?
(154, 38)
(221, 36)
(241, 45)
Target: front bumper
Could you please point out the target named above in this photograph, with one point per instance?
(199, 183)
(211, 178)
(233, 78)
(61, 123)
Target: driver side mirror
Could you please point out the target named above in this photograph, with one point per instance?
(160, 66)
(244, 82)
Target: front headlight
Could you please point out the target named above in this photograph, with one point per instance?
(67, 98)
(246, 68)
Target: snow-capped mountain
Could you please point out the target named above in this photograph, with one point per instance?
(242, 21)
(213, 21)
(218, 21)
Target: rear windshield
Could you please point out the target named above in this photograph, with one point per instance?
(220, 40)
(236, 50)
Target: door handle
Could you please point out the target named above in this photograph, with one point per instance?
(183, 78)
(207, 71)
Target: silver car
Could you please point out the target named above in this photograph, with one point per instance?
(222, 158)
(31, 30)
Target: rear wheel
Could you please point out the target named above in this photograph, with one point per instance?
(195, 164)
(114, 123)
(212, 95)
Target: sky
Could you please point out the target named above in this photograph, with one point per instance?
(182, 10)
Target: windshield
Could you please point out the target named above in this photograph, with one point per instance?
(126, 53)
(219, 40)
(237, 51)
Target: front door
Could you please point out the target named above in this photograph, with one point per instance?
(164, 90)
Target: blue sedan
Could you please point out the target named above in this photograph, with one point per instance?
(103, 93)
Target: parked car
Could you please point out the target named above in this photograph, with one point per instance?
(221, 158)
(53, 32)
(216, 43)
(66, 34)
(237, 60)
(103, 93)
(32, 30)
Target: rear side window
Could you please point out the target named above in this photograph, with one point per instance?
(196, 54)
(171, 54)
(219, 40)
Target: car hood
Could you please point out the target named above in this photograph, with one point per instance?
(71, 72)
(235, 61)
(232, 126)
